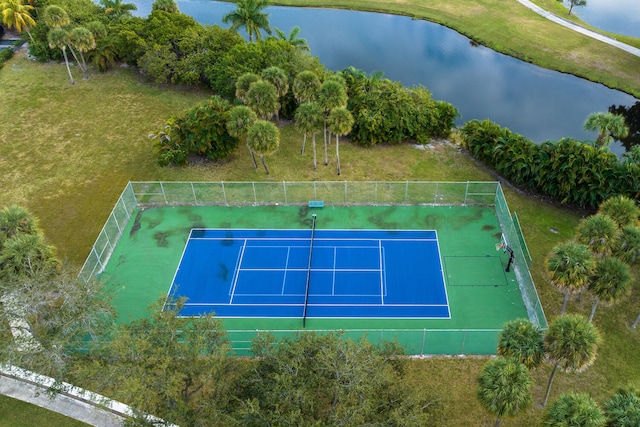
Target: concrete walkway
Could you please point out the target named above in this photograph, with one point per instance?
(575, 27)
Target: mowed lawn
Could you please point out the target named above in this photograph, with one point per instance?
(66, 153)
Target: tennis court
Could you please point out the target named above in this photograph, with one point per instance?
(312, 273)
(419, 267)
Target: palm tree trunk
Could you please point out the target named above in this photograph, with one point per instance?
(593, 309)
(635, 322)
(497, 423)
(564, 304)
(264, 164)
(304, 141)
(337, 155)
(553, 374)
(326, 159)
(66, 61)
(313, 140)
(253, 157)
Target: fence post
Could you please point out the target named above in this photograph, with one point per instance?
(375, 194)
(464, 338)
(255, 200)
(406, 192)
(424, 336)
(466, 193)
(345, 193)
(284, 190)
(163, 194)
(224, 193)
(314, 191)
(193, 191)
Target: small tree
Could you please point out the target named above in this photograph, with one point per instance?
(599, 233)
(241, 118)
(279, 79)
(623, 408)
(262, 97)
(504, 388)
(608, 125)
(16, 220)
(83, 41)
(571, 343)
(308, 118)
(306, 86)
(622, 210)
(249, 15)
(571, 265)
(574, 409)
(611, 282)
(17, 15)
(523, 341)
(263, 138)
(243, 84)
(627, 247)
(340, 122)
(332, 94)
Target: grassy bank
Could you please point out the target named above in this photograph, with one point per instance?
(509, 27)
(66, 153)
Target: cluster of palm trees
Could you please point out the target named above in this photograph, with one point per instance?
(571, 344)
(598, 259)
(323, 106)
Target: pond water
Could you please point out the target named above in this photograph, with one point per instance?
(616, 16)
(481, 83)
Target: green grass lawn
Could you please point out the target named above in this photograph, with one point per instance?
(66, 152)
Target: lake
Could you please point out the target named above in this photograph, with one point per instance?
(535, 102)
(615, 16)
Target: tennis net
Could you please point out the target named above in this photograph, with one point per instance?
(306, 289)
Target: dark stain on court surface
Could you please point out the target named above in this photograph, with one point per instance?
(162, 240)
(488, 227)
(380, 221)
(497, 235)
(307, 222)
(228, 239)
(195, 218)
(225, 224)
(223, 271)
(136, 223)
(303, 211)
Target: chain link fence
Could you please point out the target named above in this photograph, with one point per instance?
(336, 193)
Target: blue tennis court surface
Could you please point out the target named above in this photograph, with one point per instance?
(353, 274)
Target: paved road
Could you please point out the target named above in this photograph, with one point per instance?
(575, 27)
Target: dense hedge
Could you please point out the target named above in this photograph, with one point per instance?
(568, 171)
(387, 112)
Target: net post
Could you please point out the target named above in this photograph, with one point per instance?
(306, 291)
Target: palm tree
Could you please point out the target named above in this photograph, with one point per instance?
(243, 84)
(166, 5)
(26, 256)
(306, 86)
(14, 221)
(59, 38)
(627, 247)
(83, 41)
(308, 118)
(55, 17)
(608, 126)
(623, 408)
(599, 232)
(570, 265)
(574, 409)
(571, 343)
(635, 322)
(263, 138)
(278, 78)
(262, 97)
(611, 282)
(332, 95)
(293, 38)
(504, 387)
(249, 15)
(340, 123)
(621, 209)
(523, 341)
(118, 8)
(241, 118)
(17, 15)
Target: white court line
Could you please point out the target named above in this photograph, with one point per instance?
(323, 239)
(286, 265)
(235, 279)
(333, 283)
(349, 270)
(444, 280)
(381, 274)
